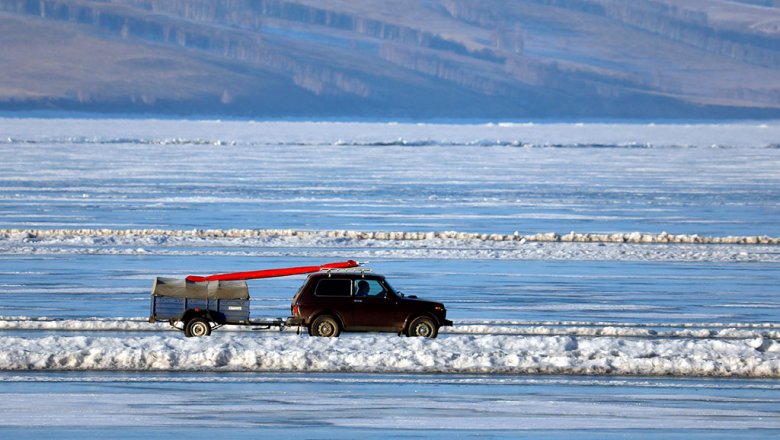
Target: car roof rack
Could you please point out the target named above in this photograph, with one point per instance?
(360, 269)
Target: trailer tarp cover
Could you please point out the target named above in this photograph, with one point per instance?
(181, 288)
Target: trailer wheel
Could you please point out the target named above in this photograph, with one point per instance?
(197, 327)
(325, 326)
(423, 327)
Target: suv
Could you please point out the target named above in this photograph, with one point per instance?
(331, 302)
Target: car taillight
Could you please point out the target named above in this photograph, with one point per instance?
(295, 309)
(438, 308)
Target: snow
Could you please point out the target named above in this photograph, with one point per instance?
(468, 327)
(367, 245)
(114, 235)
(386, 354)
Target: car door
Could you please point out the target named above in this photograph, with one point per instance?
(332, 296)
(375, 307)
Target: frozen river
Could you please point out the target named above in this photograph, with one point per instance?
(697, 179)
(551, 338)
(76, 406)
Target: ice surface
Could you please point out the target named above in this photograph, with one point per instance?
(397, 406)
(77, 285)
(602, 178)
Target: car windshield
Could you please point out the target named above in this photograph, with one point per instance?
(390, 288)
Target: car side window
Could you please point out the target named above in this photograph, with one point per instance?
(369, 288)
(334, 287)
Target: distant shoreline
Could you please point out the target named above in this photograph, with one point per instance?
(53, 114)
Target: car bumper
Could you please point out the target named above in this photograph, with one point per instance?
(446, 323)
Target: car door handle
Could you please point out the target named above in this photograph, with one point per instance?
(358, 300)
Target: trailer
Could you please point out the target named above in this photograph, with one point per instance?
(198, 304)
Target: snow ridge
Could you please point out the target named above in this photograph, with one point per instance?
(391, 142)
(572, 237)
(382, 245)
(503, 354)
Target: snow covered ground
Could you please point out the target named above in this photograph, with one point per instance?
(605, 279)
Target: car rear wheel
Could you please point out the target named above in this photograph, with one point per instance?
(197, 327)
(423, 327)
(325, 326)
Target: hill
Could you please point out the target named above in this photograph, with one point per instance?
(394, 58)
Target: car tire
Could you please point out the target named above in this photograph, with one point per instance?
(197, 327)
(423, 327)
(325, 326)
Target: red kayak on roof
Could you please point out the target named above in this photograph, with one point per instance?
(271, 273)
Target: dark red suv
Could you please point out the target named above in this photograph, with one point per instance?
(331, 302)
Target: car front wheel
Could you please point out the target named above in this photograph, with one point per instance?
(325, 326)
(423, 327)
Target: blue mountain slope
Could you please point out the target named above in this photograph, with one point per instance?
(401, 58)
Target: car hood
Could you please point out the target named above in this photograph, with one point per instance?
(415, 299)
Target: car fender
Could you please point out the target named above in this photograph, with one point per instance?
(416, 315)
(194, 313)
(307, 322)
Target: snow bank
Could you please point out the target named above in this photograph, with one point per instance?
(382, 245)
(12, 323)
(389, 354)
(572, 237)
(610, 330)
